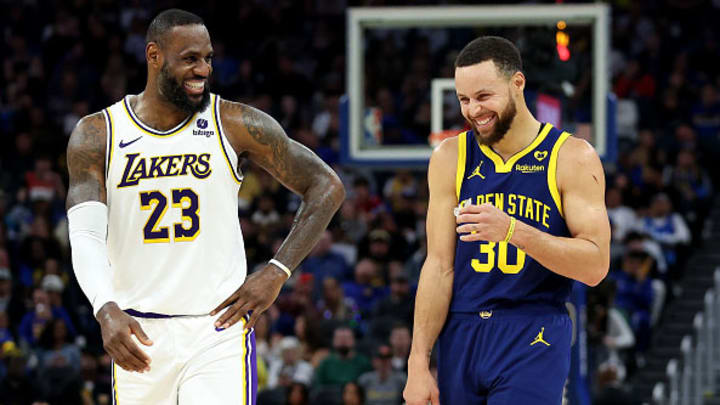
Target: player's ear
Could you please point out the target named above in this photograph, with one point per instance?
(153, 55)
(518, 80)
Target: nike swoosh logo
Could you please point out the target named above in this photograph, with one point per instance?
(122, 144)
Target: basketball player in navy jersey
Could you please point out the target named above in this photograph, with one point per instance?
(156, 242)
(516, 214)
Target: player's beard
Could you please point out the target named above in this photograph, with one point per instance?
(502, 125)
(175, 93)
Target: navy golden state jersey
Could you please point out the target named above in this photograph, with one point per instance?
(491, 275)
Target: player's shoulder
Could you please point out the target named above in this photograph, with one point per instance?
(576, 151)
(576, 157)
(91, 126)
(243, 117)
(447, 149)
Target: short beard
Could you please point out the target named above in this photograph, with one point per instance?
(502, 126)
(175, 93)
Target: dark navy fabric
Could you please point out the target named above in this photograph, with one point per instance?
(493, 361)
(494, 275)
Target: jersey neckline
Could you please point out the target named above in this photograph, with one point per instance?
(150, 130)
(502, 166)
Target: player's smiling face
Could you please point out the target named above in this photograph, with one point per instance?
(486, 101)
(187, 65)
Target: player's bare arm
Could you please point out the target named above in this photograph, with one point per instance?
(436, 278)
(86, 161)
(86, 166)
(585, 256)
(261, 139)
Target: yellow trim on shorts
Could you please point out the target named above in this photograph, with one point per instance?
(462, 157)
(115, 390)
(552, 171)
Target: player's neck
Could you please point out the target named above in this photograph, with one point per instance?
(155, 111)
(522, 132)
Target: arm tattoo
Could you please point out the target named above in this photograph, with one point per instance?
(86, 161)
(296, 167)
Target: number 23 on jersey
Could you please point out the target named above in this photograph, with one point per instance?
(184, 199)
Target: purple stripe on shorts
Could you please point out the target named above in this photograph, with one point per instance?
(253, 367)
(112, 382)
(151, 315)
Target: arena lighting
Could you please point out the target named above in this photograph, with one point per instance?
(562, 40)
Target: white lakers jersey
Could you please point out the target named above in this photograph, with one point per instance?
(174, 238)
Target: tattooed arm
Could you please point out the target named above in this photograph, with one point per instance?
(261, 138)
(87, 220)
(86, 161)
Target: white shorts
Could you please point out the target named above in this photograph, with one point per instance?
(192, 363)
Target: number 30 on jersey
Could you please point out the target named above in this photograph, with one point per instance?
(499, 260)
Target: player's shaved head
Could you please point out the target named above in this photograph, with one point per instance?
(165, 21)
(499, 50)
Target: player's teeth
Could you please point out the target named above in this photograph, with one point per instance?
(485, 121)
(195, 85)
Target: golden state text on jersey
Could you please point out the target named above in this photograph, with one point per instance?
(492, 275)
(174, 237)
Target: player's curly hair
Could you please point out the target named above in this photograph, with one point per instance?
(166, 20)
(502, 52)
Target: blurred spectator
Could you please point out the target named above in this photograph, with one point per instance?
(666, 227)
(10, 303)
(59, 364)
(290, 367)
(706, 113)
(622, 217)
(398, 306)
(334, 304)
(344, 364)
(5, 335)
(366, 203)
(694, 187)
(634, 295)
(297, 394)
(400, 341)
(353, 394)
(322, 262)
(43, 183)
(383, 385)
(364, 289)
(17, 388)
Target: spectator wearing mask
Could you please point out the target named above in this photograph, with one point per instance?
(383, 385)
(344, 364)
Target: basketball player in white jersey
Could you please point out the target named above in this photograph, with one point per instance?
(157, 245)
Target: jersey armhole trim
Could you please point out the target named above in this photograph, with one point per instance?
(109, 140)
(462, 156)
(221, 136)
(552, 172)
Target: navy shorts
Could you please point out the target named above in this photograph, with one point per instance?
(505, 357)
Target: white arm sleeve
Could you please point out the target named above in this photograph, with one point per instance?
(87, 224)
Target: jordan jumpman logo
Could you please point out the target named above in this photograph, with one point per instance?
(476, 172)
(539, 338)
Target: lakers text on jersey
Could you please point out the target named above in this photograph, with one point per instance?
(174, 238)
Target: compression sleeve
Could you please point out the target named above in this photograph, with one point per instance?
(87, 224)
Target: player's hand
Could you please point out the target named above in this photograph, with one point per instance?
(421, 387)
(482, 222)
(116, 327)
(257, 293)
